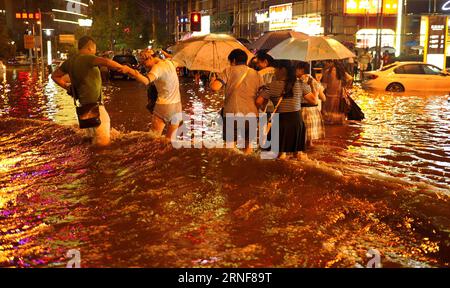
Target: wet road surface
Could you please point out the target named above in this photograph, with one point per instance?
(380, 184)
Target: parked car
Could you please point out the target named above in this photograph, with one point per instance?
(407, 76)
(128, 60)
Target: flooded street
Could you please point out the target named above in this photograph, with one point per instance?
(381, 184)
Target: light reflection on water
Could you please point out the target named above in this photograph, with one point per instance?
(141, 203)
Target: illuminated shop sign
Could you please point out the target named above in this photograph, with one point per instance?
(428, 7)
(364, 7)
(310, 24)
(72, 11)
(262, 17)
(436, 34)
(446, 6)
(280, 17)
(436, 40)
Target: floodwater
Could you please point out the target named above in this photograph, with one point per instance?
(381, 184)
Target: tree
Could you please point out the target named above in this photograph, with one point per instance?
(123, 26)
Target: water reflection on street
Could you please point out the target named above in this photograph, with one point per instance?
(383, 183)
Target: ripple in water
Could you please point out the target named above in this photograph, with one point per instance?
(381, 184)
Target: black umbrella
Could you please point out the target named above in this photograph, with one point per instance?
(271, 39)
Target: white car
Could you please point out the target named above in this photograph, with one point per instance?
(407, 76)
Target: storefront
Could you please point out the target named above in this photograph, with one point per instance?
(287, 17)
(419, 12)
(375, 24)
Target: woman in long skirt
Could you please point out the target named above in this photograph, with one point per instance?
(285, 86)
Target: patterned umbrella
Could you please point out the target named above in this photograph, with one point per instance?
(207, 53)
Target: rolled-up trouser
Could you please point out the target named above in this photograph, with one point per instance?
(102, 134)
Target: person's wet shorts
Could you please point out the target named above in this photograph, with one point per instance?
(169, 113)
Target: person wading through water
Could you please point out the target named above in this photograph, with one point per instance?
(163, 73)
(85, 80)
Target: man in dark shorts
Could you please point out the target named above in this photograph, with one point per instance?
(241, 84)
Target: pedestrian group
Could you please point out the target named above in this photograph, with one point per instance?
(284, 88)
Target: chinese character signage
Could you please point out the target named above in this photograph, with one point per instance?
(437, 35)
(280, 17)
(371, 7)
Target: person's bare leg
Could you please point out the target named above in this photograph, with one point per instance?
(158, 125)
(171, 129)
(102, 134)
(248, 148)
(282, 156)
(300, 155)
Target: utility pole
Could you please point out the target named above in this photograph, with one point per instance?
(379, 34)
(42, 45)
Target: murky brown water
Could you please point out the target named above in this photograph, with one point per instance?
(379, 184)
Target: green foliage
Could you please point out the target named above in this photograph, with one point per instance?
(129, 26)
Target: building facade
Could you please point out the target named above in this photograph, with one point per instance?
(365, 23)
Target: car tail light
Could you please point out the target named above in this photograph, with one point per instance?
(372, 76)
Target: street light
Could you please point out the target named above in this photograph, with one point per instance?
(48, 33)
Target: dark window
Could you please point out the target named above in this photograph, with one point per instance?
(431, 70)
(399, 70)
(410, 69)
(388, 66)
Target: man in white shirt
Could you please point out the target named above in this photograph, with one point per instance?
(241, 85)
(163, 73)
(364, 59)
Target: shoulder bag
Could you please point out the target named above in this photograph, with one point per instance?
(221, 112)
(88, 114)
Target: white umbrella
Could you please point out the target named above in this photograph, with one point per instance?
(207, 53)
(311, 49)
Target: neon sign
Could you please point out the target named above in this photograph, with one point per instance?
(446, 6)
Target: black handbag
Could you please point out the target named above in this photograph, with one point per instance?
(344, 102)
(89, 116)
(152, 95)
(355, 112)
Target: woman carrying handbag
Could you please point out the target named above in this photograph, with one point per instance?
(287, 92)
